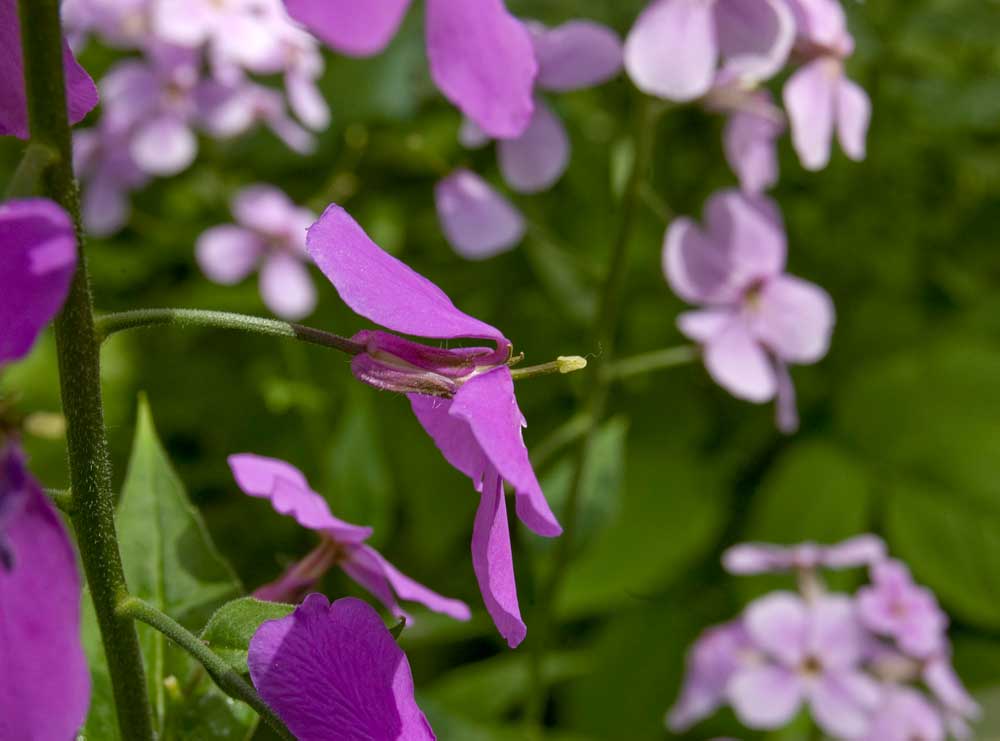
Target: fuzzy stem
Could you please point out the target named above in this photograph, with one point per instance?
(80, 378)
(228, 680)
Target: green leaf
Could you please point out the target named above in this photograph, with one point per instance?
(229, 630)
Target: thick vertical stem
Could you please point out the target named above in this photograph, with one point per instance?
(79, 377)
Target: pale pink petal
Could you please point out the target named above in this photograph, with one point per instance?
(750, 144)
(750, 231)
(754, 36)
(538, 158)
(854, 112)
(835, 633)
(348, 26)
(184, 22)
(861, 550)
(703, 326)
(164, 146)
(671, 51)
(810, 100)
(779, 624)
(227, 254)
(307, 101)
(286, 286)
(263, 208)
(104, 206)
(765, 697)
(577, 54)
(738, 363)
(694, 265)
(711, 662)
(794, 319)
(822, 23)
(842, 703)
(786, 411)
(476, 219)
(471, 136)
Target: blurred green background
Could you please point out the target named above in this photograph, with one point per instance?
(900, 423)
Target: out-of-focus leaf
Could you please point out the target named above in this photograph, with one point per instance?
(229, 630)
(562, 278)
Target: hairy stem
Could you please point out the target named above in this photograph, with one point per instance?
(228, 680)
(80, 378)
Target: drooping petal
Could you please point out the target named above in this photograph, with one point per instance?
(227, 254)
(307, 101)
(794, 319)
(45, 683)
(577, 54)
(672, 49)
(353, 28)
(835, 633)
(754, 36)
(786, 409)
(335, 671)
(38, 254)
(477, 220)
(779, 625)
(81, 93)
(810, 100)
(381, 288)
(750, 143)
(487, 403)
(765, 697)
(286, 286)
(738, 363)
(164, 146)
(842, 703)
(538, 158)
(452, 435)
(854, 112)
(482, 59)
(289, 492)
(493, 562)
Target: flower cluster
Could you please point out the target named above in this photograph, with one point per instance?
(872, 666)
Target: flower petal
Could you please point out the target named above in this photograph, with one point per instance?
(538, 158)
(477, 220)
(750, 232)
(45, 683)
(810, 100)
(738, 363)
(262, 208)
(290, 494)
(750, 144)
(671, 51)
(227, 254)
(695, 266)
(493, 562)
(786, 411)
(765, 697)
(286, 286)
(835, 633)
(381, 288)
(842, 703)
(482, 59)
(794, 318)
(352, 28)
(854, 112)
(38, 252)
(335, 671)
(703, 326)
(779, 625)
(452, 435)
(755, 37)
(306, 100)
(577, 54)
(164, 146)
(105, 206)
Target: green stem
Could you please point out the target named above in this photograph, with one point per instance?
(651, 361)
(224, 675)
(62, 499)
(563, 364)
(80, 379)
(140, 318)
(27, 178)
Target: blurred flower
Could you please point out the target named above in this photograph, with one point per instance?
(478, 430)
(38, 252)
(81, 94)
(477, 220)
(45, 682)
(756, 319)
(120, 23)
(335, 671)
(343, 544)
(675, 48)
(103, 164)
(894, 606)
(269, 234)
(903, 715)
(762, 558)
(959, 707)
(481, 57)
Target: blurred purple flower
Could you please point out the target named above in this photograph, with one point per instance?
(269, 234)
(477, 220)
(45, 682)
(959, 706)
(343, 544)
(119, 23)
(81, 94)
(756, 319)
(103, 164)
(478, 430)
(763, 558)
(904, 714)
(674, 49)
(335, 671)
(813, 652)
(38, 253)
(481, 57)
(894, 606)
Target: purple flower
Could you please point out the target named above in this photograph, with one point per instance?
(477, 220)
(755, 318)
(343, 544)
(102, 162)
(674, 49)
(762, 558)
(81, 94)
(464, 397)
(813, 650)
(120, 23)
(959, 707)
(38, 252)
(904, 714)
(481, 57)
(335, 671)
(711, 663)
(270, 233)
(45, 683)
(894, 606)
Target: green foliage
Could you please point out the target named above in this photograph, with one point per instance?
(229, 630)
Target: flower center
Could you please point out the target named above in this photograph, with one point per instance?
(811, 667)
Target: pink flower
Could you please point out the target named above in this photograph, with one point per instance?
(894, 606)
(477, 220)
(763, 558)
(755, 318)
(904, 714)
(343, 544)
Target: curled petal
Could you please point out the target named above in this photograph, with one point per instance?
(538, 158)
(755, 37)
(578, 54)
(477, 220)
(810, 100)
(286, 286)
(227, 254)
(355, 28)
(738, 363)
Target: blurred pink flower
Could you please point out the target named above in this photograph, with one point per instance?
(905, 714)
(896, 607)
(763, 558)
(477, 220)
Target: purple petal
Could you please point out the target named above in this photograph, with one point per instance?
(737, 362)
(482, 59)
(578, 54)
(538, 158)
(335, 671)
(487, 403)
(306, 100)
(750, 143)
(471, 136)
(381, 288)
(810, 100)
(289, 492)
(755, 37)
(854, 111)
(835, 633)
(703, 326)
(45, 683)
(105, 206)
(227, 254)
(477, 220)
(765, 697)
(286, 286)
(905, 714)
(671, 51)
(348, 26)
(939, 675)
(262, 208)
(493, 562)
(81, 93)
(786, 410)
(164, 146)
(452, 435)
(750, 232)
(842, 703)
(779, 625)
(822, 23)
(794, 318)
(38, 248)
(695, 267)
(861, 550)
